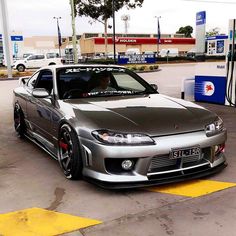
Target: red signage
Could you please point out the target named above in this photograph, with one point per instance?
(134, 41)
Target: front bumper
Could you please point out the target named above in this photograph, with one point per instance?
(96, 154)
(157, 182)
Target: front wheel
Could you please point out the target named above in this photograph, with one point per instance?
(19, 121)
(20, 68)
(69, 153)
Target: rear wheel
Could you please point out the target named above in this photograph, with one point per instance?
(20, 68)
(69, 153)
(19, 121)
(52, 64)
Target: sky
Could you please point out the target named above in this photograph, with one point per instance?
(35, 17)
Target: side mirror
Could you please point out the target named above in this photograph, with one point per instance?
(154, 86)
(40, 93)
(23, 80)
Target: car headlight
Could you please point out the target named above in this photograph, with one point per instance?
(116, 138)
(215, 127)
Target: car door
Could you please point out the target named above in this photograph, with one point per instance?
(41, 61)
(36, 61)
(39, 110)
(31, 61)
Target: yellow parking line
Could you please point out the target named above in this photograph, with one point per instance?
(40, 222)
(194, 188)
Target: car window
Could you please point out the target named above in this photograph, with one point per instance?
(125, 81)
(25, 55)
(45, 80)
(52, 55)
(32, 80)
(33, 57)
(39, 57)
(99, 81)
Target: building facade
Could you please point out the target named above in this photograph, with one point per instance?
(21, 45)
(92, 43)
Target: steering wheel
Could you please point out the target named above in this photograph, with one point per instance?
(73, 93)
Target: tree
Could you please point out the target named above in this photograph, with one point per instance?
(187, 31)
(101, 10)
(213, 32)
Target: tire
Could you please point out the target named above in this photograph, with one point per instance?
(20, 68)
(69, 157)
(19, 121)
(52, 64)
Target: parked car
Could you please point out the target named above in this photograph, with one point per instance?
(132, 51)
(170, 52)
(149, 53)
(191, 53)
(37, 61)
(110, 55)
(109, 126)
(25, 55)
(98, 56)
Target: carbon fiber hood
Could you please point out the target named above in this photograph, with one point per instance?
(151, 114)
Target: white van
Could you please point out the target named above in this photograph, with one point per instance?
(132, 51)
(37, 61)
(170, 52)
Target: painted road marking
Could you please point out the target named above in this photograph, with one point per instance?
(194, 188)
(40, 222)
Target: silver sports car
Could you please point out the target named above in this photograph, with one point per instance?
(107, 125)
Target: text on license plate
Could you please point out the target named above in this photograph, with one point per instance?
(179, 153)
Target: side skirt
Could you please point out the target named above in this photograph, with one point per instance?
(41, 146)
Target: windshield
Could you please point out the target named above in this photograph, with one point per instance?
(82, 82)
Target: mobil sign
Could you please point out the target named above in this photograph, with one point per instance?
(210, 89)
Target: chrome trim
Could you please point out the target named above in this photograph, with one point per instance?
(177, 170)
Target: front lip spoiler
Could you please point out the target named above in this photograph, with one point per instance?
(149, 183)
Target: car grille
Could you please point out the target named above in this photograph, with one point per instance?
(164, 163)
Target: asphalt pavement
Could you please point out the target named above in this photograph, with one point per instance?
(29, 178)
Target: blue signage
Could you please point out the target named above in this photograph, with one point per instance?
(231, 35)
(15, 48)
(217, 37)
(210, 89)
(220, 46)
(201, 18)
(17, 38)
(1, 36)
(136, 59)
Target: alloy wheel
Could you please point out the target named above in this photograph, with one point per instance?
(66, 151)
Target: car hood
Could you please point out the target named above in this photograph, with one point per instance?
(154, 114)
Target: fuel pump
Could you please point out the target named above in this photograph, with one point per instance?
(231, 66)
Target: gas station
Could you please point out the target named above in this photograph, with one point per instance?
(35, 196)
(215, 84)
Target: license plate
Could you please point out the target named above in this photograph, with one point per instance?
(185, 152)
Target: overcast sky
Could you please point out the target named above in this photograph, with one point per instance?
(35, 17)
